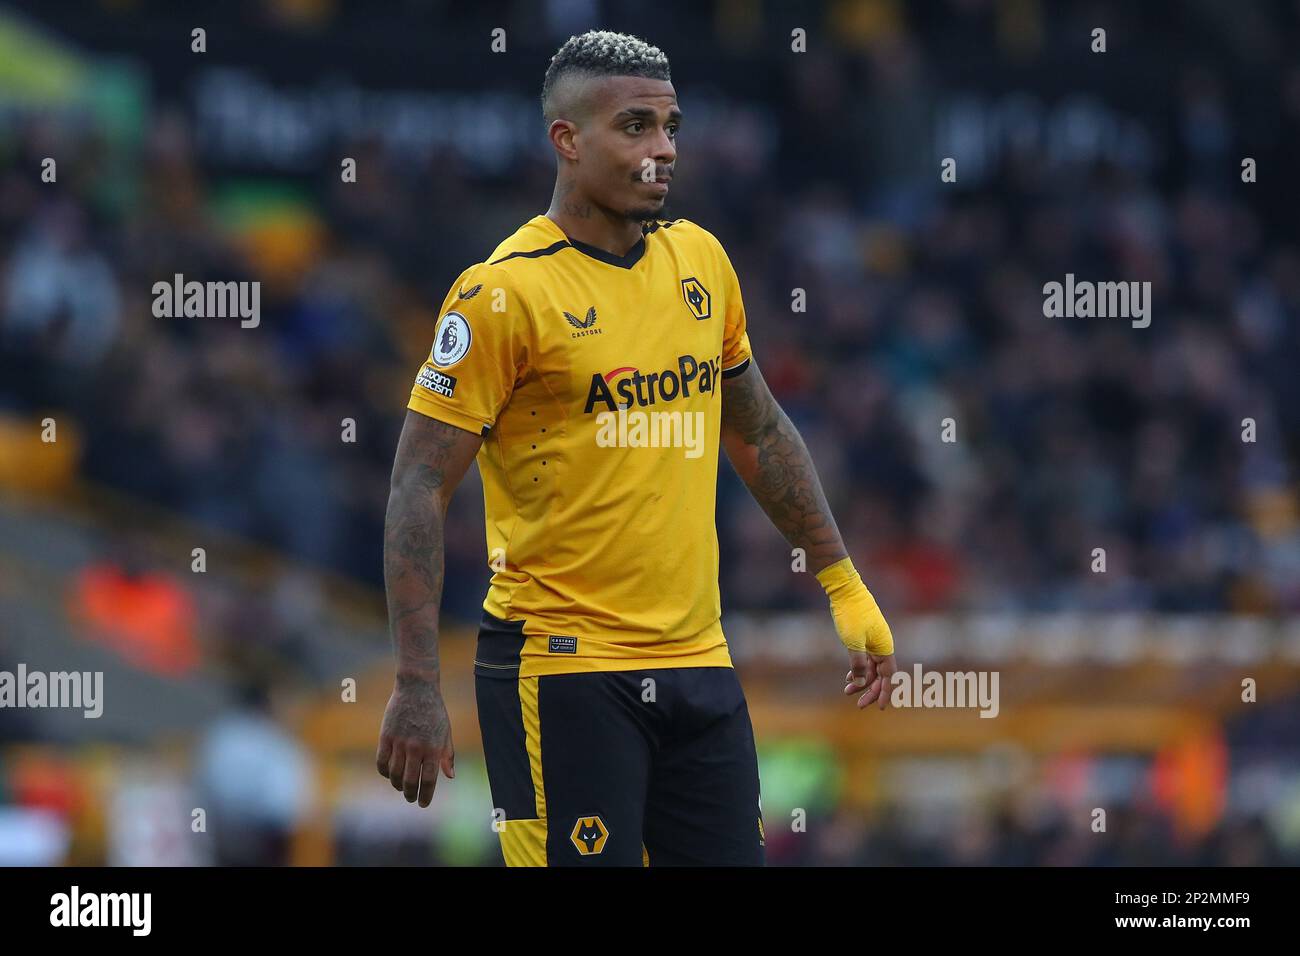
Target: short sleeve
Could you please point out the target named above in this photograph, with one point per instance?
(735, 335)
(477, 353)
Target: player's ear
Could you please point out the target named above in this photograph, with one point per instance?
(563, 134)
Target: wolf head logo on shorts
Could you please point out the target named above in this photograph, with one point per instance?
(589, 835)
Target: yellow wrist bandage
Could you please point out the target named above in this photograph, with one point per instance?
(857, 617)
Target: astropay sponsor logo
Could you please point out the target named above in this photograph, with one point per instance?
(75, 908)
(946, 689)
(621, 426)
(81, 690)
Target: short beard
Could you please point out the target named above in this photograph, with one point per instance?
(645, 213)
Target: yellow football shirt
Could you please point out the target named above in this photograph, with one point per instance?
(596, 380)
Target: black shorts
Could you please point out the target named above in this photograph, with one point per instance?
(617, 768)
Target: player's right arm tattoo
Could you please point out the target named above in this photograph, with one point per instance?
(772, 460)
(432, 457)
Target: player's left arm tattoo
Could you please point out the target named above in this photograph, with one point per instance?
(772, 460)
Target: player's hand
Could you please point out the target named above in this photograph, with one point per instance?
(415, 741)
(873, 674)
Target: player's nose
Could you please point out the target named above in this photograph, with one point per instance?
(665, 152)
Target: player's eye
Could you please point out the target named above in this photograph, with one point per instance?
(672, 129)
(635, 127)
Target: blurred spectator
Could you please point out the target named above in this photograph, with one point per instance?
(145, 616)
(62, 298)
(256, 782)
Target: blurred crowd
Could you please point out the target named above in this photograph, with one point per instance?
(923, 303)
(269, 801)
